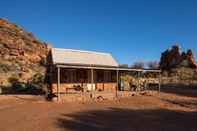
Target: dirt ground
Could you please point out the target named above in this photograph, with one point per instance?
(171, 110)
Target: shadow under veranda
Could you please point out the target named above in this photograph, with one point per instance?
(118, 119)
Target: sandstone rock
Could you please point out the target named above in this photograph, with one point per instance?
(173, 58)
(191, 59)
(21, 50)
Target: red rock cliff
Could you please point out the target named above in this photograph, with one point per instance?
(20, 52)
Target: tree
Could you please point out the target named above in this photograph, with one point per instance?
(138, 65)
(153, 65)
(124, 65)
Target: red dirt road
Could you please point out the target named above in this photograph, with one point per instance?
(166, 112)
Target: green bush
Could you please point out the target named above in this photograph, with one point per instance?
(37, 86)
(34, 86)
(16, 86)
(13, 79)
(19, 87)
(38, 79)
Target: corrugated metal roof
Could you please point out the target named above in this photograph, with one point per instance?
(78, 57)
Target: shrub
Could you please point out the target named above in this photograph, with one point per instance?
(128, 81)
(38, 79)
(37, 86)
(150, 75)
(124, 65)
(138, 65)
(13, 79)
(19, 87)
(16, 86)
(153, 65)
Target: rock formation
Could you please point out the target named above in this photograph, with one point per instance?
(174, 57)
(20, 53)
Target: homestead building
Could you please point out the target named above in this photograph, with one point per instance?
(84, 72)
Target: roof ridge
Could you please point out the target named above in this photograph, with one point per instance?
(82, 51)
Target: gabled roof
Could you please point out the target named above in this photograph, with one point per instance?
(79, 57)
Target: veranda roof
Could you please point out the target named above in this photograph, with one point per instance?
(79, 57)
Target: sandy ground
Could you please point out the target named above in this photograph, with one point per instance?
(168, 111)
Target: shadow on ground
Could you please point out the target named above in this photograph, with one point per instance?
(129, 120)
(178, 90)
(21, 90)
(192, 104)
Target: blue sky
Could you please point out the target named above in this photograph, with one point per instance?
(132, 30)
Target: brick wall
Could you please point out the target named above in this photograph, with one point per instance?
(68, 87)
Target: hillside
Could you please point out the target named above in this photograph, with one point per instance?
(179, 67)
(21, 54)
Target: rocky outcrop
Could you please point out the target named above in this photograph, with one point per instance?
(174, 57)
(20, 52)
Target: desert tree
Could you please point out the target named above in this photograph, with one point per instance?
(124, 65)
(153, 65)
(138, 65)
